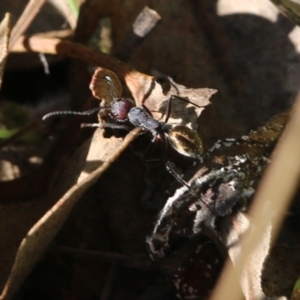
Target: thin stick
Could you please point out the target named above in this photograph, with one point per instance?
(59, 47)
(29, 13)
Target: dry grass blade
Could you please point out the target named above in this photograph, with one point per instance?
(270, 203)
(70, 49)
(233, 228)
(29, 13)
(64, 8)
(5, 28)
(38, 238)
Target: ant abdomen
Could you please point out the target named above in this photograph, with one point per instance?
(185, 141)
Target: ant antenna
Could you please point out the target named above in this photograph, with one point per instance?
(82, 113)
(109, 81)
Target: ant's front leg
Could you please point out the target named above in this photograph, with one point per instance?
(172, 171)
(170, 168)
(107, 125)
(170, 101)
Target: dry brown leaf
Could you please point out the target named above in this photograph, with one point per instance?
(147, 91)
(100, 88)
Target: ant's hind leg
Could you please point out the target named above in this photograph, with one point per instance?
(170, 101)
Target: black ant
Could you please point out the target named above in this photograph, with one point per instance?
(183, 139)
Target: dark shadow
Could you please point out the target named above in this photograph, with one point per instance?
(257, 65)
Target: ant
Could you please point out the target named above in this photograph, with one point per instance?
(183, 139)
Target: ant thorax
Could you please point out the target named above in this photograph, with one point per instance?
(139, 117)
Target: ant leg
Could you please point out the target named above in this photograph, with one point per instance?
(107, 125)
(171, 170)
(186, 100)
(184, 183)
(169, 107)
(81, 113)
(149, 151)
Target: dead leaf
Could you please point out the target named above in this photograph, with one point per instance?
(147, 91)
(101, 89)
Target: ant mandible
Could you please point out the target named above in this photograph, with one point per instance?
(183, 139)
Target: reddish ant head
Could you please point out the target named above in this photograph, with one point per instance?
(120, 108)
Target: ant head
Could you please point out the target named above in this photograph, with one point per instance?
(185, 141)
(120, 108)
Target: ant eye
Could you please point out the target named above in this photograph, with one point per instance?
(120, 109)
